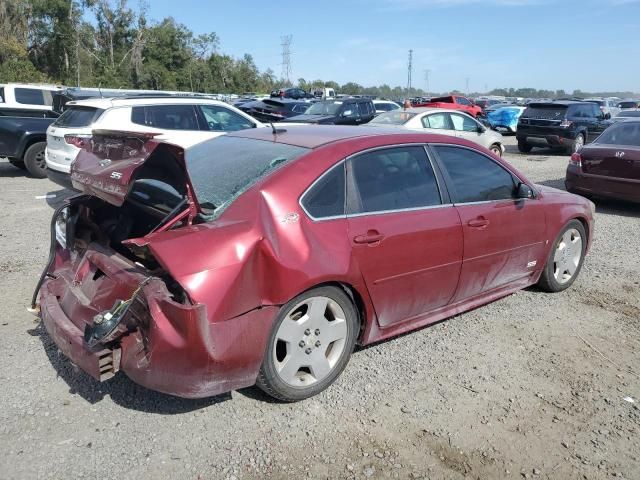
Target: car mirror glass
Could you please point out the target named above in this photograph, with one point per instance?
(524, 191)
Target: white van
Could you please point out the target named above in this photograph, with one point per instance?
(324, 93)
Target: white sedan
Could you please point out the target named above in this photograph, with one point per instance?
(444, 122)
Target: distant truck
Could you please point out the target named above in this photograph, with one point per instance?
(453, 102)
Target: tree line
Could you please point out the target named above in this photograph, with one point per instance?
(108, 44)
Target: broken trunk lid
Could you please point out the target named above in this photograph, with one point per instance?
(107, 167)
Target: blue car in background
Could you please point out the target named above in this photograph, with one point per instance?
(504, 119)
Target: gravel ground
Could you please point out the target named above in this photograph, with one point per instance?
(531, 386)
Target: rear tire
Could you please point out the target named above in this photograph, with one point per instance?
(524, 147)
(34, 160)
(565, 259)
(310, 344)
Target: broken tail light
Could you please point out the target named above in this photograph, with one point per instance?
(576, 160)
(78, 141)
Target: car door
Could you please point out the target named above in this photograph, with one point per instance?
(467, 128)
(503, 236)
(349, 115)
(597, 122)
(406, 237)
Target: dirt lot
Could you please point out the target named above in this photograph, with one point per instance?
(532, 386)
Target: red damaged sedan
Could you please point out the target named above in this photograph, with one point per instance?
(262, 257)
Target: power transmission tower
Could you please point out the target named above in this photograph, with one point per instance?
(409, 72)
(427, 72)
(286, 58)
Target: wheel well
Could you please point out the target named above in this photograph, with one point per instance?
(584, 223)
(31, 142)
(355, 297)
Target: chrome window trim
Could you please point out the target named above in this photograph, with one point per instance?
(413, 209)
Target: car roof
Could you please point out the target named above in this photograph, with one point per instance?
(314, 136)
(105, 103)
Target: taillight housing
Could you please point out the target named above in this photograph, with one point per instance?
(566, 123)
(79, 141)
(576, 160)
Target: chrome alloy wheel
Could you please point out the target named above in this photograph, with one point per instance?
(566, 258)
(309, 342)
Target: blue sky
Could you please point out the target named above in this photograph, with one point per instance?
(589, 45)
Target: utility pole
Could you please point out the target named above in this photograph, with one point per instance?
(467, 84)
(409, 71)
(286, 58)
(427, 72)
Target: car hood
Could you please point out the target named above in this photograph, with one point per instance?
(107, 167)
(312, 118)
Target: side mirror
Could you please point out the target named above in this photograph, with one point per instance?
(607, 116)
(524, 191)
(481, 129)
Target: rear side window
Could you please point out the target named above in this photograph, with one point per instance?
(170, 117)
(621, 134)
(326, 198)
(392, 179)
(474, 177)
(30, 96)
(78, 117)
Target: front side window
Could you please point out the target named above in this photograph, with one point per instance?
(30, 96)
(326, 198)
(392, 179)
(462, 101)
(474, 177)
(462, 123)
(221, 119)
(439, 121)
(170, 117)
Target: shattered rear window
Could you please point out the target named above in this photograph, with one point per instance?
(223, 168)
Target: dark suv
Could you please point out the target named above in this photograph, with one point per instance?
(348, 111)
(293, 93)
(562, 124)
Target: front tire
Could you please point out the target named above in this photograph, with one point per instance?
(495, 148)
(310, 344)
(566, 258)
(524, 147)
(34, 160)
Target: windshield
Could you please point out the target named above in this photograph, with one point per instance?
(622, 133)
(223, 168)
(324, 108)
(393, 118)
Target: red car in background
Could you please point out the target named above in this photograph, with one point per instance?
(610, 166)
(264, 256)
(453, 102)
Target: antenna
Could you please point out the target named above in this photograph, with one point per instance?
(427, 72)
(286, 58)
(275, 130)
(409, 71)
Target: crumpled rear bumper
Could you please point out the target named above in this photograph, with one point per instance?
(172, 348)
